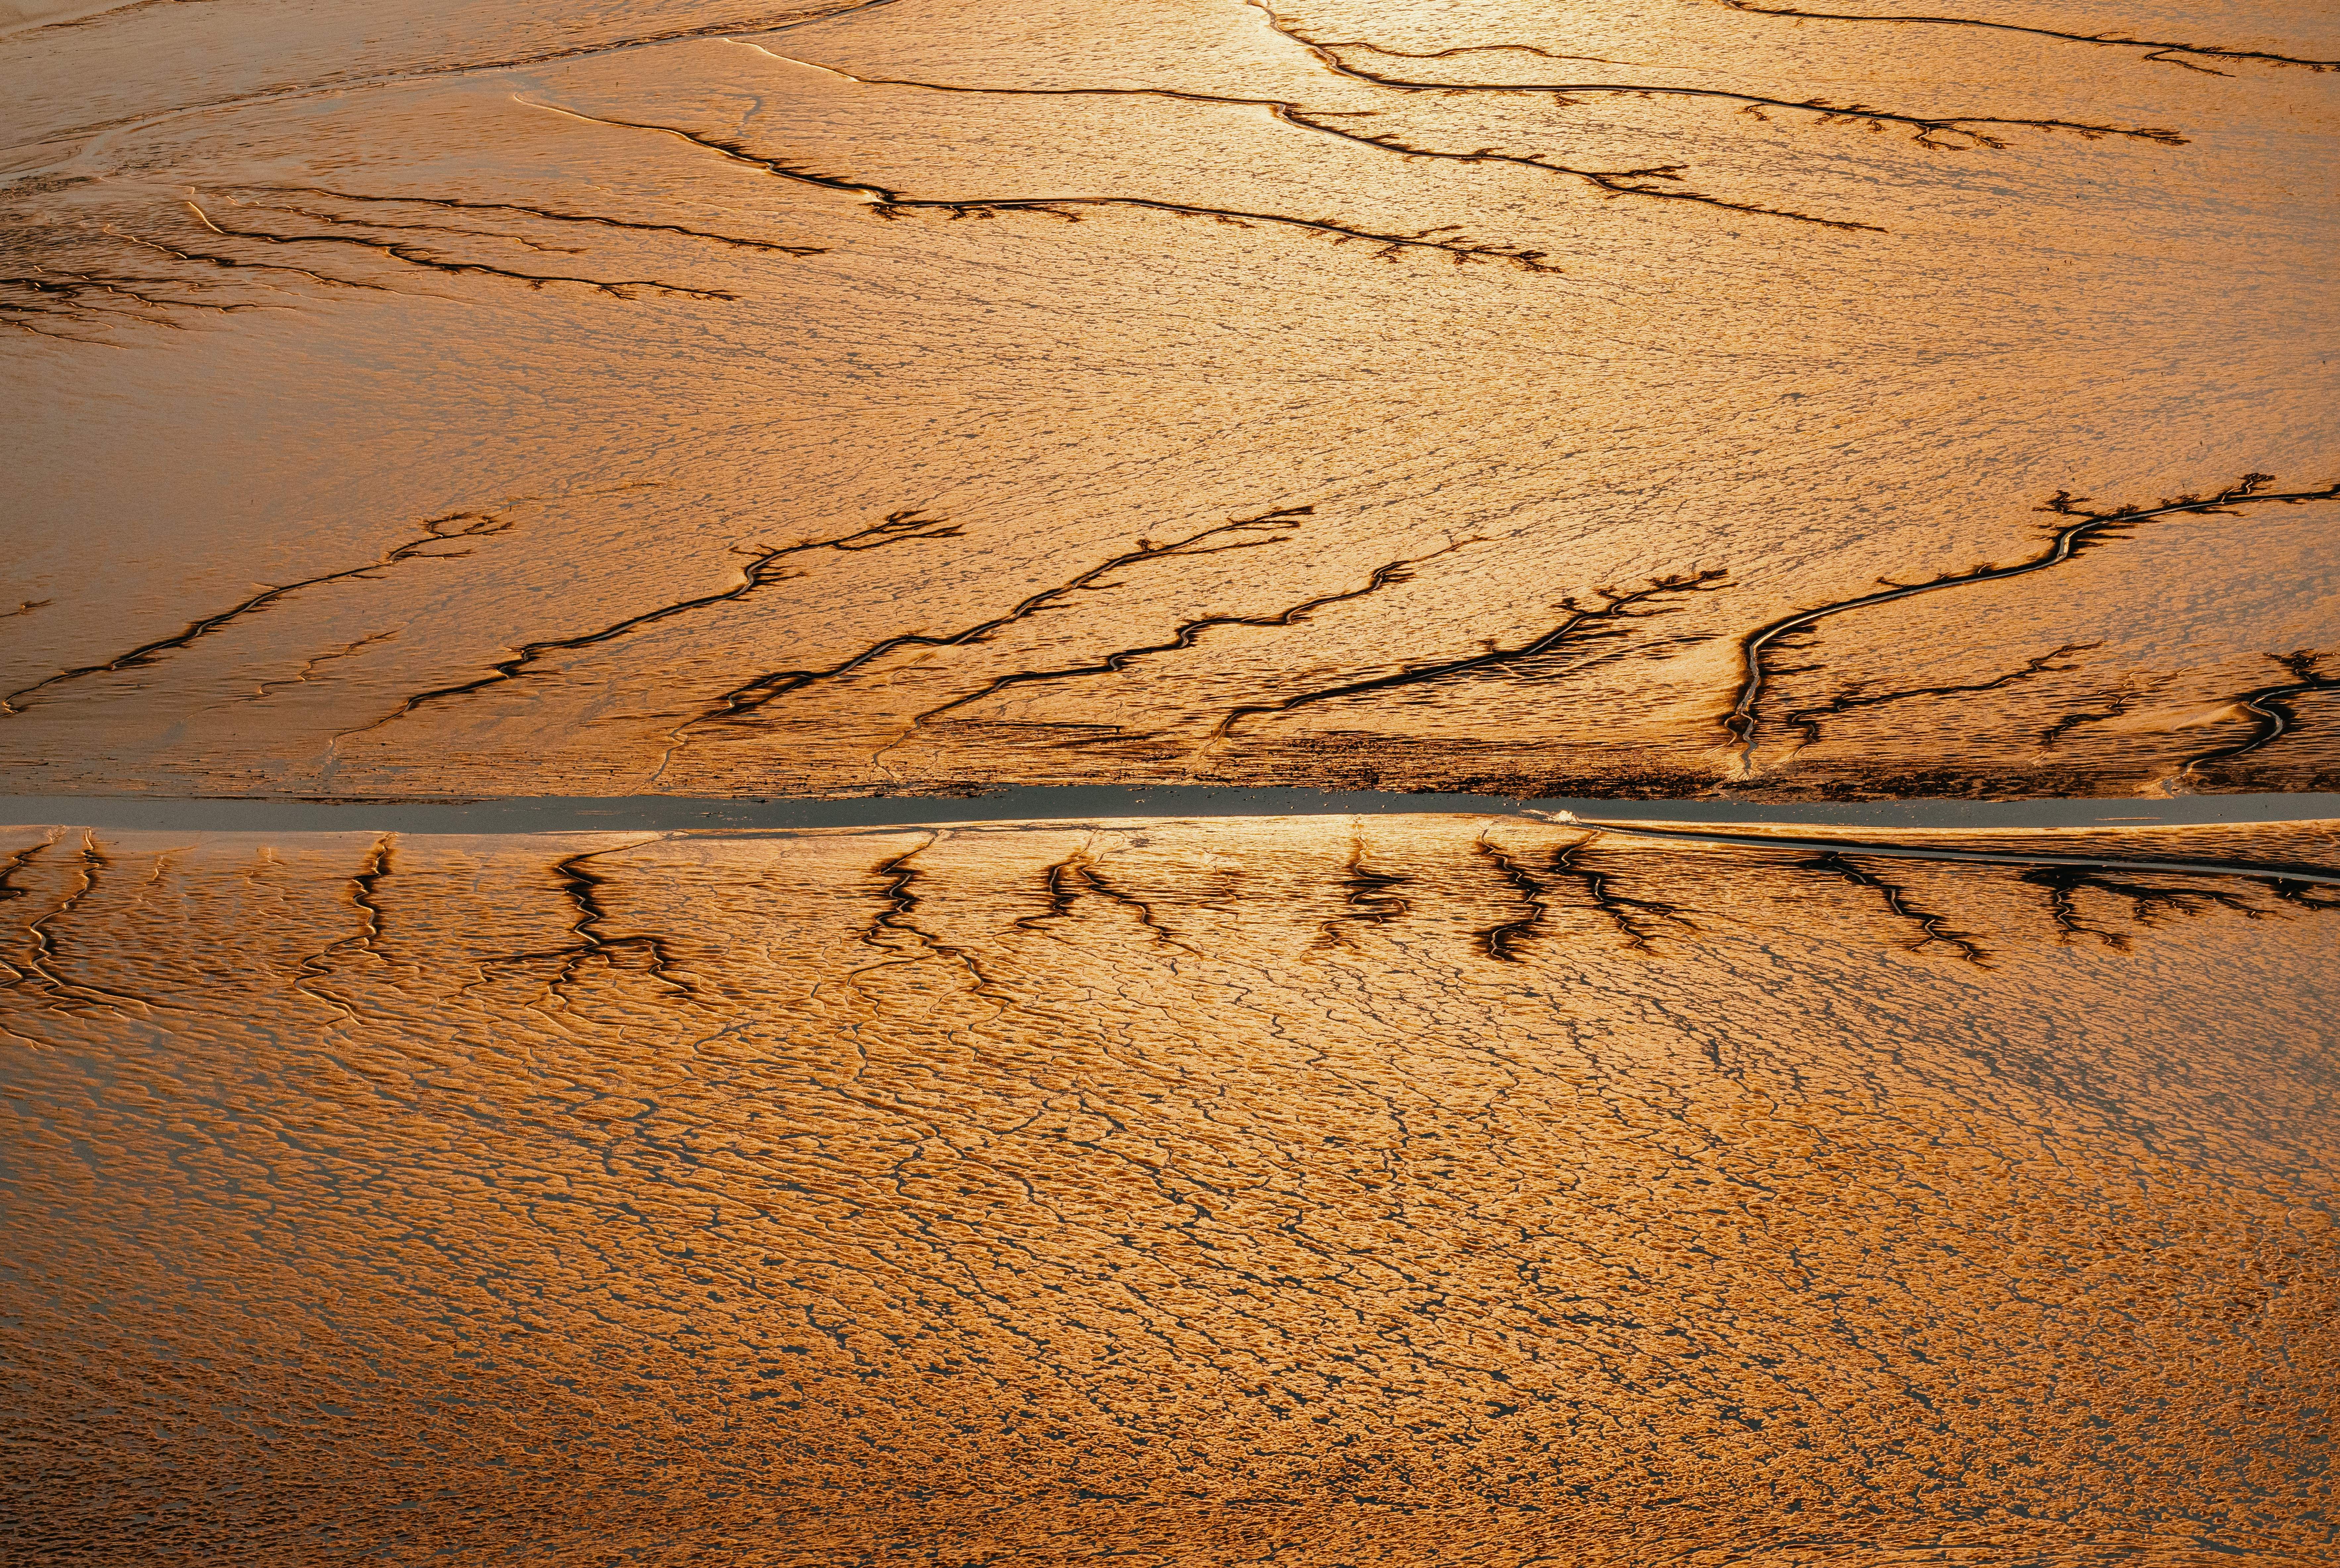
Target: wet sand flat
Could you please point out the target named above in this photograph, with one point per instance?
(1393, 1190)
(681, 398)
(821, 545)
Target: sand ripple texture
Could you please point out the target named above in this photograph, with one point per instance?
(1411, 1191)
(696, 398)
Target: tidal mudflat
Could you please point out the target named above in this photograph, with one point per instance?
(505, 398)
(1413, 1190)
(423, 409)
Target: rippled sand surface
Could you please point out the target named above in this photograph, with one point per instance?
(689, 400)
(691, 397)
(1398, 1191)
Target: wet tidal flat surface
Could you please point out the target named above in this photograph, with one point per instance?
(740, 409)
(1330, 1191)
(1662, 397)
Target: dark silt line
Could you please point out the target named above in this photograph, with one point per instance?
(2258, 871)
(550, 214)
(1627, 915)
(900, 876)
(888, 203)
(1932, 928)
(315, 216)
(2158, 46)
(1558, 637)
(581, 887)
(365, 889)
(2066, 543)
(1183, 637)
(2118, 702)
(1501, 942)
(897, 526)
(94, 300)
(8, 889)
(751, 695)
(1371, 895)
(1106, 890)
(413, 256)
(238, 263)
(60, 993)
(1283, 112)
(1325, 53)
(481, 523)
(1808, 719)
(2268, 707)
(2147, 902)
